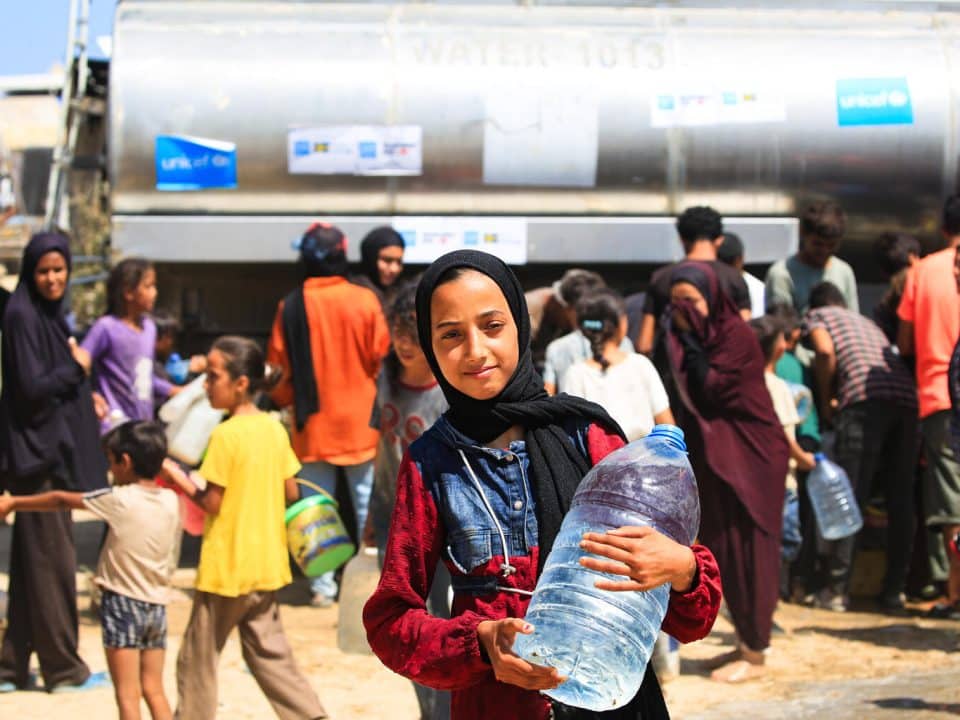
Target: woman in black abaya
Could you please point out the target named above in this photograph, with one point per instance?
(48, 441)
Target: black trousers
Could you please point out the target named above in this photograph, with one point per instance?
(42, 613)
(877, 444)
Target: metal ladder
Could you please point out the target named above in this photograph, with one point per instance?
(72, 111)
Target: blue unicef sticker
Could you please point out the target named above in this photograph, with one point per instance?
(874, 101)
(471, 237)
(367, 149)
(191, 163)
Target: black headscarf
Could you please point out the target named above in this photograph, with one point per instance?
(375, 241)
(47, 423)
(556, 466)
(323, 253)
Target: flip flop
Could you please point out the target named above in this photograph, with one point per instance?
(94, 682)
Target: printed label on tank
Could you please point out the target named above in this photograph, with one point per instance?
(355, 150)
(191, 163)
(874, 101)
(682, 102)
(427, 238)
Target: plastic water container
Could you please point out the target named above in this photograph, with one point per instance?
(602, 640)
(177, 368)
(190, 422)
(834, 504)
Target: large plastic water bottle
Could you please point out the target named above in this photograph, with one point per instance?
(834, 504)
(599, 639)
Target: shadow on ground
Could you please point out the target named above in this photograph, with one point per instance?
(904, 636)
(909, 703)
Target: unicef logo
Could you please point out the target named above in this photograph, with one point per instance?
(897, 98)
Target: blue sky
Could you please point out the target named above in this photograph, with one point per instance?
(35, 33)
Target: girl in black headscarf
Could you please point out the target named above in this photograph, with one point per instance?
(381, 259)
(48, 441)
(486, 488)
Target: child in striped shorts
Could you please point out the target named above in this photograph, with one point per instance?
(136, 561)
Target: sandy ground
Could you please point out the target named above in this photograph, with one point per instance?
(817, 647)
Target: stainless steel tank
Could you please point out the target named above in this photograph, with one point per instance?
(582, 121)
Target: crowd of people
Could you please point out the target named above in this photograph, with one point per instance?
(459, 413)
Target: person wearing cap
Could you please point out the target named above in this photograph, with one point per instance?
(381, 261)
(730, 252)
(329, 336)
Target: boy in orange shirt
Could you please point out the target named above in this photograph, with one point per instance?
(329, 336)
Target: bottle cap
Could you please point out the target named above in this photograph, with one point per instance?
(671, 433)
(819, 457)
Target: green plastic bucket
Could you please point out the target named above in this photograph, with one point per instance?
(316, 537)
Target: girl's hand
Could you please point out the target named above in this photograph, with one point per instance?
(496, 637)
(81, 356)
(198, 363)
(100, 406)
(648, 558)
(172, 472)
(680, 322)
(6, 506)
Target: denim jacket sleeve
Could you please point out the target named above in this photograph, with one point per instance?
(690, 615)
(438, 653)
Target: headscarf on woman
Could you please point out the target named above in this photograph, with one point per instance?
(47, 420)
(719, 371)
(375, 241)
(556, 466)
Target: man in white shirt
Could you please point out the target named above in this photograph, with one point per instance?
(731, 253)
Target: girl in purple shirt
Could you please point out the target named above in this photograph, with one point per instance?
(121, 346)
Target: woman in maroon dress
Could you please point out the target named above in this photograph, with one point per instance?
(739, 453)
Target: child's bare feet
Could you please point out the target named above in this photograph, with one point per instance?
(749, 666)
(723, 659)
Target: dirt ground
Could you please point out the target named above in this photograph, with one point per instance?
(817, 646)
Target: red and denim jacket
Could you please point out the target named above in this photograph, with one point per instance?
(473, 507)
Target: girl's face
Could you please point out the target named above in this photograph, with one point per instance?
(50, 276)
(408, 350)
(474, 335)
(223, 391)
(389, 265)
(142, 298)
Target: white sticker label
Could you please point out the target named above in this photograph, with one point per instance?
(355, 150)
(427, 238)
(538, 136)
(717, 105)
